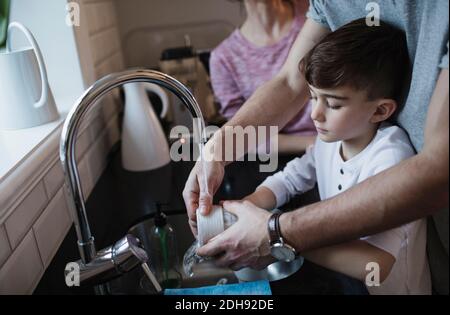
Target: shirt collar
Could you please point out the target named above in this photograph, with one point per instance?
(355, 163)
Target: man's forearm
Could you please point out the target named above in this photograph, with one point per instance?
(259, 111)
(291, 144)
(351, 259)
(409, 191)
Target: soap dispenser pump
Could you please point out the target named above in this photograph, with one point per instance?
(164, 255)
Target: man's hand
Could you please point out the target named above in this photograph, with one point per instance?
(245, 243)
(195, 195)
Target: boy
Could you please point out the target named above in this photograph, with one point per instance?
(355, 76)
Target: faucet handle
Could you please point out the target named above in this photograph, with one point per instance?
(137, 248)
(113, 261)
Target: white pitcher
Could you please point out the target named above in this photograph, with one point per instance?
(144, 144)
(25, 97)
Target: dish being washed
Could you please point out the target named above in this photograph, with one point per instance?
(212, 225)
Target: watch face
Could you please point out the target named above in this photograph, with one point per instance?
(282, 252)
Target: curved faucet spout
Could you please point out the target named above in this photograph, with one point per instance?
(69, 133)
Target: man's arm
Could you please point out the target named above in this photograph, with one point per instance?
(351, 259)
(413, 189)
(292, 144)
(273, 104)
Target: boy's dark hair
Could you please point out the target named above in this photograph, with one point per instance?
(372, 58)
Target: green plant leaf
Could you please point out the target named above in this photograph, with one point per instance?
(4, 20)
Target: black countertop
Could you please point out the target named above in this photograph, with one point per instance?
(121, 199)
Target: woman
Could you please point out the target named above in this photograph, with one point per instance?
(255, 53)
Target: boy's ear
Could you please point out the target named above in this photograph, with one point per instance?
(384, 109)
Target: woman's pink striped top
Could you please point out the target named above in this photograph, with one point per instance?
(238, 68)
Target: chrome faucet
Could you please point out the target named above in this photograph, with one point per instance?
(98, 267)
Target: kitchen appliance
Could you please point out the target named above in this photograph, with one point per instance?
(144, 144)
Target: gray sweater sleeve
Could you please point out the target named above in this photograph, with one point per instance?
(316, 13)
(444, 61)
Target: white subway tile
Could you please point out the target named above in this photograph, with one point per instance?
(97, 157)
(111, 16)
(23, 217)
(102, 70)
(98, 125)
(99, 47)
(92, 19)
(51, 227)
(5, 248)
(105, 15)
(113, 132)
(83, 143)
(54, 179)
(69, 203)
(114, 40)
(85, 177)
(118, 64)
(104, 44)
(23, 270)
(111, 106)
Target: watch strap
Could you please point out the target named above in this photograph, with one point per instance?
(274, 227)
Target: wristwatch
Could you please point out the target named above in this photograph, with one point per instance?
(279, 249)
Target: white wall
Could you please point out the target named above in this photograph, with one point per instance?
(36, 218)
(149, 26)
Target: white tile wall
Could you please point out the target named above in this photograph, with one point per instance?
(21, 273)
(31, 235)
(105, 44)
(54, 179)
(56, 216)
(111, 64)
(96, 157)
(97, 127)
(20, 221)
(111, 105)
(100, 15)
(113, 131)
(87, 183)
(5, 248)
(36, 228)
(83, 142)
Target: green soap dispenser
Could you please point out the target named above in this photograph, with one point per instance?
(164, 254)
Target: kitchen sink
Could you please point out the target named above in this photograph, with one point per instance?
(205, 273)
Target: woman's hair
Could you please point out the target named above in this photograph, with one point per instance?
(371, 58)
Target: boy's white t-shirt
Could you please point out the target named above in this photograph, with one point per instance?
(323, 164)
